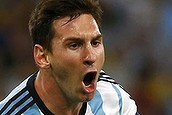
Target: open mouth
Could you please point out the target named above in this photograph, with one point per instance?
(89, 78)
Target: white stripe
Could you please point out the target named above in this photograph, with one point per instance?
(105, 75)
(110, 98)
(110, 80)
(88, 111)
(102, 71)
(129, 106)
(41, 112)
(16, 90)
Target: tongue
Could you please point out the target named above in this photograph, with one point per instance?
(89, 88)
(88, 82)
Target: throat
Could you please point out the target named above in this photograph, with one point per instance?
(57, 104)
(74, 110)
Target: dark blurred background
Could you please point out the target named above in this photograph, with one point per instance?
(138, 42)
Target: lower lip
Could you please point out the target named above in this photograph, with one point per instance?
(90, 88)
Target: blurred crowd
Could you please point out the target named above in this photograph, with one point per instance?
(138, 42)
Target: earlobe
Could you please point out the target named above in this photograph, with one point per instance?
(41, 57)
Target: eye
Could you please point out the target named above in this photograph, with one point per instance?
(74, 46)
(96, 43)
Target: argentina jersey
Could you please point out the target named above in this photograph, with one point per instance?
(24, 100)
(109, 99)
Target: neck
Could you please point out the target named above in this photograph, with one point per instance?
(46, 86)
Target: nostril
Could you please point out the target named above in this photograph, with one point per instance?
(88, 62)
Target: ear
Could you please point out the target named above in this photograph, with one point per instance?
(41, 57)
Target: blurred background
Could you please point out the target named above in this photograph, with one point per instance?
(138, 41)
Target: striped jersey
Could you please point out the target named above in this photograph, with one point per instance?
(109, 99)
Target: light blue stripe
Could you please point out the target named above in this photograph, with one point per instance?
(15, 101)
(120, 98)
(22, 105)
(96, 104)
(33, 110)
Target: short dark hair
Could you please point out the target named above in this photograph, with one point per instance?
(40, 23)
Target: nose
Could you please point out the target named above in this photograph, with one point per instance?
(89, 56)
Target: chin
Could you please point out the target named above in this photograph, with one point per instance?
(88, 97)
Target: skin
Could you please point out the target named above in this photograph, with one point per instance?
(77, 49)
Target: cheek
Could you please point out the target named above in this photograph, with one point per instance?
(101, 56)
(71, 59)
(68, 60)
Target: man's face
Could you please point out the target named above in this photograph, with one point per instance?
(77, 57)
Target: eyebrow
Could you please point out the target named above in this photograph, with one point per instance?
(78, 39)
(98, 37)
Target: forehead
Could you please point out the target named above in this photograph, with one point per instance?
(85, 24)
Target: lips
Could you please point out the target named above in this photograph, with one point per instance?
(89, 81)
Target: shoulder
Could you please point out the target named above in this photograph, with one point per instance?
(19, 101)
(111, 98)
(14, 95)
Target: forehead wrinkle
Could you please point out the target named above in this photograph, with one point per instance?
(63, 25)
